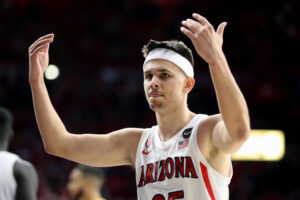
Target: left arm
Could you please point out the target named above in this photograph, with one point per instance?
(231, 132)
(233, 128)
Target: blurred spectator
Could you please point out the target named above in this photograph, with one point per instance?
(18, 178)
(85, 183)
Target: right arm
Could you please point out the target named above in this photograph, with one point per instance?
(116, 148)
(27, 180)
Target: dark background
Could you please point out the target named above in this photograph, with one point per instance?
(98, 50)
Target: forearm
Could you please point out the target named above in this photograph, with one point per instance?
(50, 125)
(232, 104)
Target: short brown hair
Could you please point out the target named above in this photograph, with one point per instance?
(174, 45)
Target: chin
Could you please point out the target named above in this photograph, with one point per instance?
(156, 106)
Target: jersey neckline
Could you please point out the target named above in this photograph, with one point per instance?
(170, 141)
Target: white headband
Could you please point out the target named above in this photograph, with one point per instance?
(172, 56)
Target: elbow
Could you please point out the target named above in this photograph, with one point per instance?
(48, 149)
(51, 150)
(55, 146)
(244, 134)
(243, 130)
(238, 139)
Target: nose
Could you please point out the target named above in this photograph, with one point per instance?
(154, 83)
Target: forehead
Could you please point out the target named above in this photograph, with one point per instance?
(158, 64)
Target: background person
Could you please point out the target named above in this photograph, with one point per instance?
(18, 178)
(85, 183)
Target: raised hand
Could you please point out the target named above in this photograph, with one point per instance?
(39, 57)
(207, 42)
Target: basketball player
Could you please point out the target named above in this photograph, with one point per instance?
(85, 183)
(187, 155)
(18, 178)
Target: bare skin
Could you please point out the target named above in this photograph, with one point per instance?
(84, 188)
(166, 89)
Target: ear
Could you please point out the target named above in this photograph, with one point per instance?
(189, 84)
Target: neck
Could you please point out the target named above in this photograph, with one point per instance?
(172, 122)
(3, 146)
(91, 195)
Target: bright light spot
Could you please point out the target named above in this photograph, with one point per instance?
(52, 72)
(263, 145)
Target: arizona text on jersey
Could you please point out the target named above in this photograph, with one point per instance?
(176, 169)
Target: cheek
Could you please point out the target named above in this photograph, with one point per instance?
(145, 88)
(146, 84)
(74, 187)
(176, 91)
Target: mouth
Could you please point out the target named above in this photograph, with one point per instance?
(155, 94)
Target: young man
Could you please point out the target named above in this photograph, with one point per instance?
(186, 156)
(85, 183)
(18, 178)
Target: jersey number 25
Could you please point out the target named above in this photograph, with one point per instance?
(171, 196)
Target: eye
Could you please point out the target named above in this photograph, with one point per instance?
(164, 75)
(148, 76)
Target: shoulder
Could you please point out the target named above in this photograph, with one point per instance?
(129, 138)
(204, 132)
(210, 121)
(8, 155)
(128, 132)
(24, 169)
(207, 124)
(125, 136)
(133, 135)
(27, 180)
(218, 159)
(134, 131)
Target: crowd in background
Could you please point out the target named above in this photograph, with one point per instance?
(97, 48)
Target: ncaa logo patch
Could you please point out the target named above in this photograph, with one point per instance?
(187, 132)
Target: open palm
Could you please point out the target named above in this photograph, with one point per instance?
(207, 41)
(39, 57)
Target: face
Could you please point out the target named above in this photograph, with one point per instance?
(164, 85)
(76, 183)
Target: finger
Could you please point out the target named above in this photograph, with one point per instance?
(188, 33)
(42, 48)
(39, 43)
(42, 38)
(51, 35)
(201, 19)
(192, 25)
(221, 28)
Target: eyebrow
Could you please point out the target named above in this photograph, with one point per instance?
(160, 70)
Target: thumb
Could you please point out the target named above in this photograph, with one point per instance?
(221, 28)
